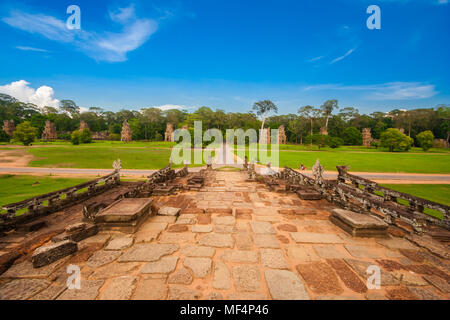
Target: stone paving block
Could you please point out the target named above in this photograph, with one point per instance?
(88, 291)
(363, 252)
(243, 241)
(165, 265)
(102, 257)
(347, 276)
(310, 237)
(409, 278)
(201, 267)
(179, 292)
(361, 269)
(320, 278)
(400, 293)
(424, 293)
(203, 219)
(438, 282)
(178, 228)
(359, 225)
(45, 255)
(220, 228)
(51, 292)
(26, 270)
(396, 243)
(375, 296)
(302, 253)
(261, 227)
(151, 289)
(148, 252)
(119, 288)
(184, 237)
(265, 241)
(162, 219)
(273, 258)
(287, 227)
(202, 228)
(181, 276)
(330, 251)
(240, 256)
(169, 211)
(246, 278)
(22, 289)
(198, 251)
(120, 243)
(146, 236)
(285, 285)
(116, 269)
(222, 277)
(225, 220)
(188, 221)
(153, 226)
(217, 240)
(247, 296)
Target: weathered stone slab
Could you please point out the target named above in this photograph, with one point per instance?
(148, 252)
(246, 278)
(120, 243)
(273, 258)
(224, 220)
(221, 228)
(262, 227)
(400, 293)
(285, 285)
(309, 195)
(151, 289)
(115, 269)
(119, 288)
(438, 282)
(154, 226)
(347, 276)
(50, 253)
(183, 237)
(76, 234)
(396, 243)
(201, 267)
(198, 251)
(163, 219)
(178, 228)
(169, 211)
(26, 270)
(302, 253)
(361, 268)
(50, 293)
(243, 241)
(178, 292)
(217, 240)
(320, 278)
(222, 278)
(165, 265)
(240, 256)
(330, 251)
(88, 291)
(265, 241)
(359, 225)
(182, 276)
(362, 252)
(102, 257)
(247, 296)
(310, 237)
(409, 278)
(125, 215)
(22, 289)
(202, 228)
(32, 226)
(424, 293)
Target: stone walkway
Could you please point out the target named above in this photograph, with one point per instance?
(236, 240)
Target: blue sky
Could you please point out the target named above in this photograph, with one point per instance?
(227, 54)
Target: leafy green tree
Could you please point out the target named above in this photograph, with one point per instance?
(81, 136)
(263, 108)
(327, 108)
(320, 140)
(310, 113)
(352, 136)
(25, 133)
(394, 140)
(335, 142)
(76, 137)
(425, 139)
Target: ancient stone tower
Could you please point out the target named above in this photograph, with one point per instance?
(83, 125)
(281, 135)
(366, 137)
(49, 133)
(9, 127)
(125, 135)
(168, 135)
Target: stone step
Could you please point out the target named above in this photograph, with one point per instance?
(359, 224)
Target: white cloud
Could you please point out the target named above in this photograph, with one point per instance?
(43, 96)
(385, 91)
(166, 107)
(24, 48)
(349, 52)
(315, 59)
(100, 45)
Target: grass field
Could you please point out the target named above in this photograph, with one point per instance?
(370, 161)
(439, 193)
(100, 155)
(17, 188)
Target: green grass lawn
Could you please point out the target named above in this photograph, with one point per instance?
(17, 188)
(100, 155)
(439, 193)
(371, 161)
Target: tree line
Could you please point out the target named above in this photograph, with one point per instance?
(302, 127)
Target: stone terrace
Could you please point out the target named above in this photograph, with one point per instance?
(249, 243)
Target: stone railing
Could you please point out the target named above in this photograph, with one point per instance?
(161, 176)
(55, 201)
(371, 195)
